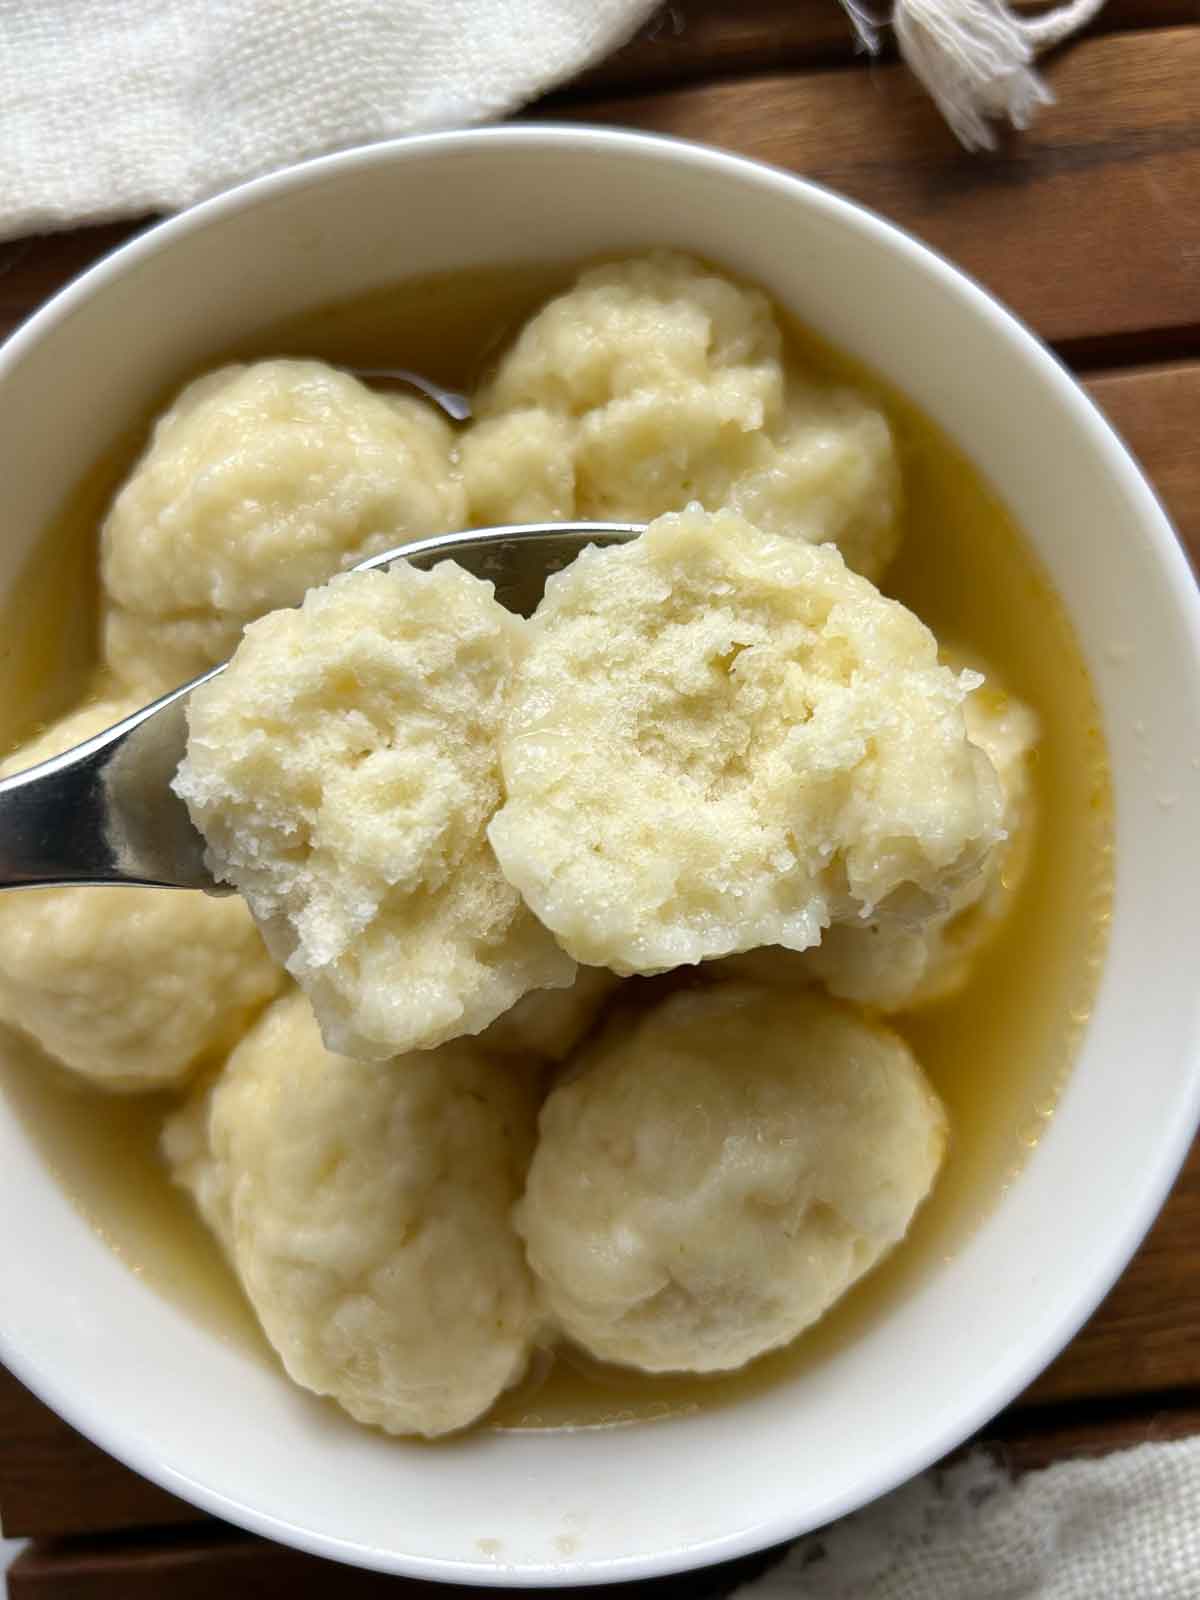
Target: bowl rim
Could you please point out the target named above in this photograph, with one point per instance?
(995, 1390)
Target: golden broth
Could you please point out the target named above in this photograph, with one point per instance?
(997, 1052)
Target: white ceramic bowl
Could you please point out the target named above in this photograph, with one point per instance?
(199, 1417)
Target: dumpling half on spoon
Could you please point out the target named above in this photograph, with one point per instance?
(343, 770)
(720, 739)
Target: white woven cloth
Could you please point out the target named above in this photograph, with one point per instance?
(115, 108)
(1126, 1527)
(122, 107)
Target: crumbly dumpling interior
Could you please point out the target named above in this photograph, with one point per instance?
(714, 1174)
(893, 968)
(656, 382)
(366, 1209)
(131, 988)
(720, 739)
(343, 770)
(259, 482)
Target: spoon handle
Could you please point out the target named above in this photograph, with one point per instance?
(104, 812)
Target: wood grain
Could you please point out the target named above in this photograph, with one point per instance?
(1157, 412)
(54, 1481)
(1026, 1440)
(712, 38)
(196, 1564)
(1088, 225)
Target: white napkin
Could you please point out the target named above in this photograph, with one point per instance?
(122, 107)
(1126, 1527)
(113, 108)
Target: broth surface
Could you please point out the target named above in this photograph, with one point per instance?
(998, 1052)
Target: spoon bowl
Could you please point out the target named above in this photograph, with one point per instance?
(105, 813)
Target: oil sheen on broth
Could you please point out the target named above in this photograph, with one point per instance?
(997, 1052)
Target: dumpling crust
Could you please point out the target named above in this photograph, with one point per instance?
(259, 482)
(365, 1207)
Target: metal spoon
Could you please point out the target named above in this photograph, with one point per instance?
(455, 405)
(104, 812)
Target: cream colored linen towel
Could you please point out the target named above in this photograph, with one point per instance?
(1126, 1527)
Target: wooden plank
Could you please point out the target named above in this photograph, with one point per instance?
(54, 1481)
(192, 1564)
(1156, 410)
(1087, 225)
(191, 1567)
(692, 39)
(1026, 1440)
(200, 1563)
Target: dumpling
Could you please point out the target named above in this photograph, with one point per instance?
(547, 1024)
(365, 1206)
(259, 482)
(131, 988)
(720, 739)
(656, 382)
(343, 770)
(895, 968)
(712, 1175)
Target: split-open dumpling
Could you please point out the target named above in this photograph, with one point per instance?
(343, 770)
(720, 739)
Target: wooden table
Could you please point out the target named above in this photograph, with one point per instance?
(1089, 226)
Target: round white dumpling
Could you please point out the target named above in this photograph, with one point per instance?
(720, 739)
(656, 382)
(366, 1210)
(547, 1024)
(714, 1174)
(259, 482)
(343, 770)
(661, 325)
(131, 988)
(893, 968)
(827, 474)
(519, 467)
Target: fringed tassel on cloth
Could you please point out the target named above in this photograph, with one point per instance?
(975, 57)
